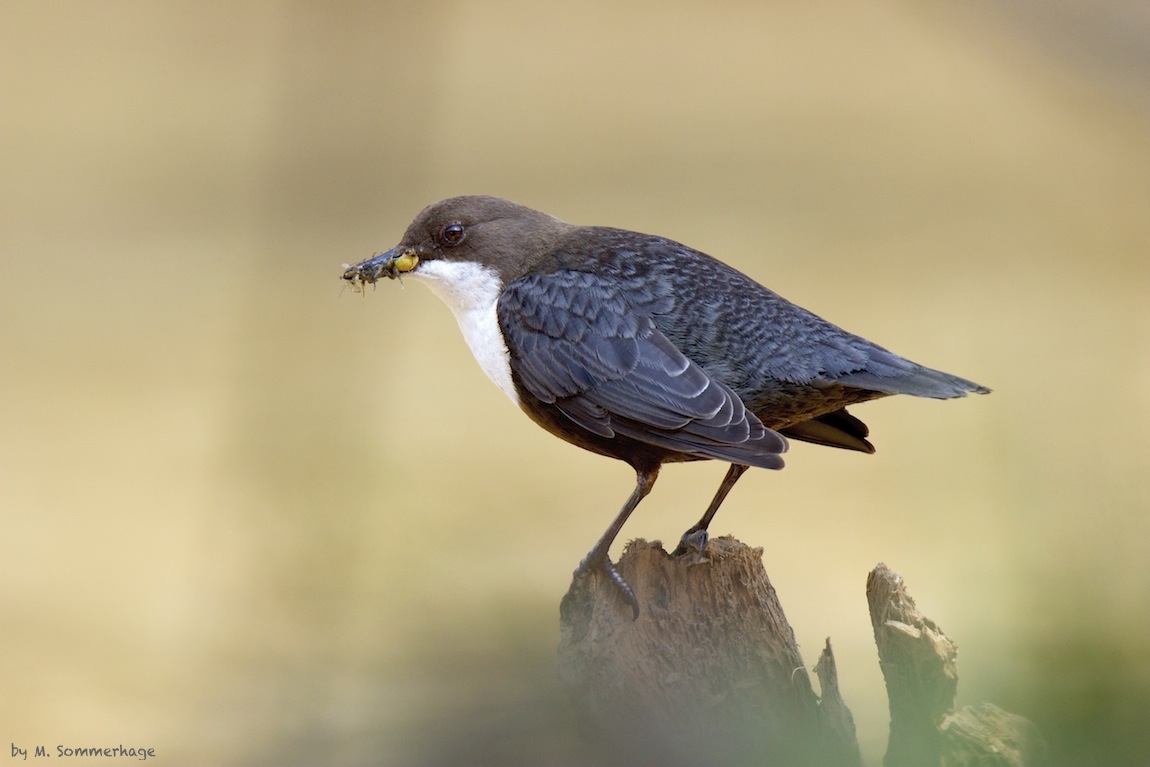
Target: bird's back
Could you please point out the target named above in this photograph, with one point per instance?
(786, 363)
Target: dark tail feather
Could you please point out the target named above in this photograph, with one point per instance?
(917, 380)
(837, 429)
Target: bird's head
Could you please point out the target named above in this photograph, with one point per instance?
(486, 232)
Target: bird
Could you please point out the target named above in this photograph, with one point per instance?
(636, 347)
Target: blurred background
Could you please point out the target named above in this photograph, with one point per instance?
(249, 517)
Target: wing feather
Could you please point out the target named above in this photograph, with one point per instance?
(577, 343)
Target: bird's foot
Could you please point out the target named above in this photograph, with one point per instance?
(608, 567)
(694, 540)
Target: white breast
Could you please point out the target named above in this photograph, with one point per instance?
(471, 290)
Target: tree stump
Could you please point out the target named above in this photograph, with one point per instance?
(920, 665)
(710, 673)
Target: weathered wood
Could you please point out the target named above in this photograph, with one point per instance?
(920, 665)
(709, 673)
(836, 717)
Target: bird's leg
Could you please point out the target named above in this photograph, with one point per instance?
(598, 556)
(696, 538)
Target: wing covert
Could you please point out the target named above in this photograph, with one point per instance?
(576, 342)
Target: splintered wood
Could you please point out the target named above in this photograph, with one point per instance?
(709, 673)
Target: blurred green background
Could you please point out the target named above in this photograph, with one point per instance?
(249, 518)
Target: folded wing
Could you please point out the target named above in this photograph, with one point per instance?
(577, 344)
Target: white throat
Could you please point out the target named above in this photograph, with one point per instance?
(471, 290)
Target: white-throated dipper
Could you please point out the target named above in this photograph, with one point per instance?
(638, 348)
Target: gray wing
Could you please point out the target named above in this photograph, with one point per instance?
(751, 337)
(747, 336)
(576, 343)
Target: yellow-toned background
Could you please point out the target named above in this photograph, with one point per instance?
(249, 518)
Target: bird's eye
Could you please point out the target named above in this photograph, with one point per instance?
(453, 234)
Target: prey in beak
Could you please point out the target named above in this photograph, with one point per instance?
(391, 264)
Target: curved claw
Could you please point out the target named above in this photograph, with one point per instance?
(627, 592)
